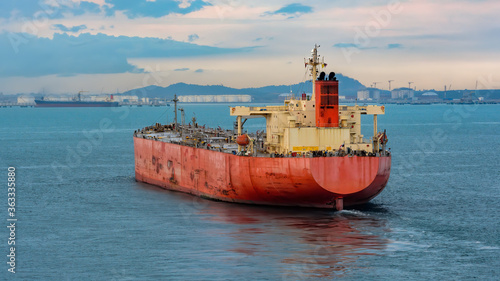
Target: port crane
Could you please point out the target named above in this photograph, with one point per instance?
(390, 84)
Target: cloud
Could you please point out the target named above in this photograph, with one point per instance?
(345, 45)
(70, 29)
(292, 10)
(131, 8)
(259, 39)
(351, 45)
(183, 3)
(91, 54)
(449, 32)
(52, 9)
(85, 6)
(155, 9)
(394, 46)
(20, 8)
(193, 37)
(181, 69)
(199, 70)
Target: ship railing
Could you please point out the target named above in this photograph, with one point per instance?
(352, 108)
(269, 108)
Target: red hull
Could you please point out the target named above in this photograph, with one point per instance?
(306, 182)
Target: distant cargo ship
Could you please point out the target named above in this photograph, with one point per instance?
(75, 102)
(312, 153)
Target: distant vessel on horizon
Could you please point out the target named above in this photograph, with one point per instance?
(76, 102)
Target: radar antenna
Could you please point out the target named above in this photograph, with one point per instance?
(313, 62)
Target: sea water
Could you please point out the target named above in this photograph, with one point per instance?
(82, 216)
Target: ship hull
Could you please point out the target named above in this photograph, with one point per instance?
(306, 182)
(42, 103)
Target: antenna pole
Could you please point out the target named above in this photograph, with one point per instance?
(314, 70)
(175, 100)
(313, 62)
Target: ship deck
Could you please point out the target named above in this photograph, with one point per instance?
(223, 140)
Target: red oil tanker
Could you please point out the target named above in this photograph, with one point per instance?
(312, 153)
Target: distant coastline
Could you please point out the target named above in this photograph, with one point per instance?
(351, 90)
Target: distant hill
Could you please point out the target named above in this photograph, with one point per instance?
(348, 87)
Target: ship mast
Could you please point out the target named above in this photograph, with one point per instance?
(175, 100)
(313, 62)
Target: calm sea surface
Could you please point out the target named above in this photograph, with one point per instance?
(82, 216)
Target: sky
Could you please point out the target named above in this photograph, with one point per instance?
(109, 46)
